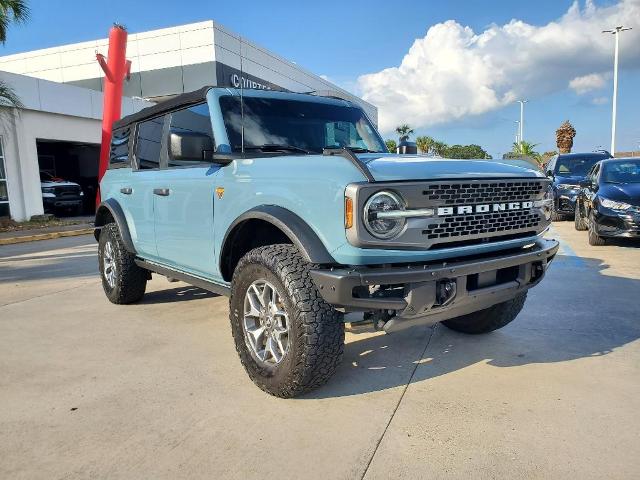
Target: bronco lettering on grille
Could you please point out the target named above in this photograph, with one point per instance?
(483, 208)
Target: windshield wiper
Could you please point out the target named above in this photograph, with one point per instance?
(353, 149)
(275, 147)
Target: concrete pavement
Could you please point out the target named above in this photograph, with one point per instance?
(155, 390)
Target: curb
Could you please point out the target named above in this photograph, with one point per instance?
(45, 236)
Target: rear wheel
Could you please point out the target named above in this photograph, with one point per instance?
(578, 219)
(489, 319)
(556, 217)
(595, 239)
(288, 338)
(122, 280)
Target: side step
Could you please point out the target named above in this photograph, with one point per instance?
(185, 277)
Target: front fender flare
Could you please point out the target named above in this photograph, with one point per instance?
(295, 228)
(113, 207)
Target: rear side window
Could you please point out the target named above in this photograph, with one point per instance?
(148, 144)
(190, 139)
(119, 152)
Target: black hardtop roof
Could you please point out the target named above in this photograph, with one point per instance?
(182, 100)
(200, 95)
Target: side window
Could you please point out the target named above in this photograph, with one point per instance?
(119, 151)
(593, 176)
(149, 142)
(190, 139)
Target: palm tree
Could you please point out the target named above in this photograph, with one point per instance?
(440, 149)
(404, 131)
(425, 143)
(11, 11)
(527, 149)
(391, 145)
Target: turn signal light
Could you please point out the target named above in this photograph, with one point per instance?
(348, 212)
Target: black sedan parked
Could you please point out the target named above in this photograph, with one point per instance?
(609, 202)
(567, 172)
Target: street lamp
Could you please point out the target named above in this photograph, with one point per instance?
(616, 31)
(517, 122)
(521, 102)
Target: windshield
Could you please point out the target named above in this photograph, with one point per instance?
(621, 172)
(297, 126)
(578, 166)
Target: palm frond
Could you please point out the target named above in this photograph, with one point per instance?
(8, 97)
(12, 11)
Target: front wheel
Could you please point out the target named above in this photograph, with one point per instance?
(595, 239)
(122, 280)
(289, 339)
(578, 219)
(489, 319)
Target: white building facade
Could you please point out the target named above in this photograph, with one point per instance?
(61, 89)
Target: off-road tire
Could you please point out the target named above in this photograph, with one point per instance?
(557, 217)
(595, 239)
(578, 219)
(316, 336)
(130, 279)
(489, 319)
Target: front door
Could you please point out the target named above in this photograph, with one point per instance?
(138, 195)
(184, 195)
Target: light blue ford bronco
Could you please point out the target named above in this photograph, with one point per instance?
(291, 205)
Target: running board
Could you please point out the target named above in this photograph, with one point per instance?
(185, 277)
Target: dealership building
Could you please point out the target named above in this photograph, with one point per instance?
(58, 130)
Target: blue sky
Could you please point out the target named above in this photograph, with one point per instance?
(348, 40)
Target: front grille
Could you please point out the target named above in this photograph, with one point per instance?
(469, 193)
(475, 224)
(485, 226)
(67, 191)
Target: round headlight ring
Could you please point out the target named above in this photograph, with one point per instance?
(383, 201)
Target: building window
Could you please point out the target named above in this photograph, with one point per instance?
(4, 195)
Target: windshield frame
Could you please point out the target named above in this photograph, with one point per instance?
(222, 142)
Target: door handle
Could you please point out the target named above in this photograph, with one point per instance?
(163, 192)
(126, 190)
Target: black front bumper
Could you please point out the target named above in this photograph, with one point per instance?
(61, 202)
(609, 223)
(479, 283)
(565, 201)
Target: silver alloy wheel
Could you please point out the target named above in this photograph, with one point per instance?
(109, 264)
(265, 323)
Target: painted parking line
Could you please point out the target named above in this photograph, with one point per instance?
(566, 256)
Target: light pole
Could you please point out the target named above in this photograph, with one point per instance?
(517, 122)
(616, 31)
(522, 102)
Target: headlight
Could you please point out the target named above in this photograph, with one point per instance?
(48, 190)
(381, 226)
(613, 205)
(567, 186)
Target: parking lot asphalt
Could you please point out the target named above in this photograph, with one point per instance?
(155, 390)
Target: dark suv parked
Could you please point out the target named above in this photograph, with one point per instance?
(567, 172)
(609, 202)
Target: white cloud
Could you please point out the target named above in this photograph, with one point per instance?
(587, 83)
(453, 72)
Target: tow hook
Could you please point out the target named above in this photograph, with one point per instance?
(445, 292)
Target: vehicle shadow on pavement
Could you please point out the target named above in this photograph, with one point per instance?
(177, 294)
(575, 313)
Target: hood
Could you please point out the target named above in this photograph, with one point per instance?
(621, 192)
(390, 167)
(61, 183)
(569, 179)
